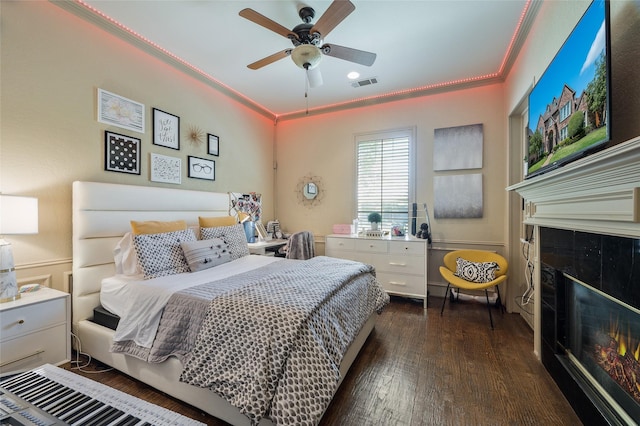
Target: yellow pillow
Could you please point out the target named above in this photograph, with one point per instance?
(213, 222)
(157, 227)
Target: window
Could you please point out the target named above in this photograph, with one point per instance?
(384, 176)
(565, 111)
(564, 133)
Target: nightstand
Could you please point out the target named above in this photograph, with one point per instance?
(35, 330)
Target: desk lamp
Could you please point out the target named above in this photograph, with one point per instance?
(18, 215)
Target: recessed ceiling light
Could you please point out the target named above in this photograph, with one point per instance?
(353, 75)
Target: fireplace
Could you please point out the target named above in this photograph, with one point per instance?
(591, 322)
(585, 219)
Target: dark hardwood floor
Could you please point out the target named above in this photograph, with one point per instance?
(418, 368)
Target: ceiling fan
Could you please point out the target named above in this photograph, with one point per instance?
(308, 38)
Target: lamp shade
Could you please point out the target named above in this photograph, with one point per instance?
(306, 56)
(18, 215)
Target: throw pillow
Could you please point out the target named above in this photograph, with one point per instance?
(205, 254)
(233, 236)
(477, 272)
(157, 227)
(211, 222)
(161, 254)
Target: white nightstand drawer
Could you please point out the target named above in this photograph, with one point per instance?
(408, 247)
(371, 246)
(402, 284)
(17, 322)
(35, 349)
(339, 244)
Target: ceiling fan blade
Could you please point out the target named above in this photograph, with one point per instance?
(315, 77)
(263, 21)
(269, 59)
(348, 54)
(337, 11)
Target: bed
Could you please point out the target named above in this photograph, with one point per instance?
(102, 214)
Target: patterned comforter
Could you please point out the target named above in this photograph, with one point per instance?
(271, 340)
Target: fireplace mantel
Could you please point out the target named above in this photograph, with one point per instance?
(599, 193)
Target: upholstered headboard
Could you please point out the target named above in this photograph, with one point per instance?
(101, 216)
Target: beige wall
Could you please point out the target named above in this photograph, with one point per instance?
(324, 146)
(52, 64)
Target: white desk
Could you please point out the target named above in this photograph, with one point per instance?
(261, 246)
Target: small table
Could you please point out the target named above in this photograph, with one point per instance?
(261, 247)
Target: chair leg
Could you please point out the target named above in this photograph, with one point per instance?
(445, 299)
(486, 293)
(499, 300)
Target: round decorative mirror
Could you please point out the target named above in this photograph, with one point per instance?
(310, 190)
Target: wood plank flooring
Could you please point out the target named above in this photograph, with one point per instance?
(418, 368)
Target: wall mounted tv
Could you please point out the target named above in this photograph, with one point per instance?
(569, 105)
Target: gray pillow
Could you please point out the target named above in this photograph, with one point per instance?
(232, 235)
(205, 254)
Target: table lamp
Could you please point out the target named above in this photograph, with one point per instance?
(18, 215)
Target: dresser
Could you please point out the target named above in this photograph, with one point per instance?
(401, 263)
(35, 330)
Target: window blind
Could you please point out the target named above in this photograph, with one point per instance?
(383, 179)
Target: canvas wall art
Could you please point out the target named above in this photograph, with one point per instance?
(458, 148)
(458, 196)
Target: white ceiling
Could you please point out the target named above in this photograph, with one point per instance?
(418, 44)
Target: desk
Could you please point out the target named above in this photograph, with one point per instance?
(261, 247)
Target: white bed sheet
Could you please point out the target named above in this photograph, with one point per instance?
(139, 303)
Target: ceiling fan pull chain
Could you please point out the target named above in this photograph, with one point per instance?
(306, 88)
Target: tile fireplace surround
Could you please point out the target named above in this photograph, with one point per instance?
(586, 227)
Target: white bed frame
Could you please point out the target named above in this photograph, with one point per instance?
(101, 216)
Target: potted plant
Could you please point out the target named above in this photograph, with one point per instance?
(374, 218)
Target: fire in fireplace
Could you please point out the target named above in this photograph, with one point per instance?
(603, 339)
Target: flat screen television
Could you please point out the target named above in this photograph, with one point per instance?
(569, 106)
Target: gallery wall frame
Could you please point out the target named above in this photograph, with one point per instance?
(122, 153)
(201, 168)
(165, 169)
(119, 111)
(166, 129)
(213, 144)
(458, 148)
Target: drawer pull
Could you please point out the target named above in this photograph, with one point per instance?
(397, 264)
(20, 359)
(21, 321)
(397, 283)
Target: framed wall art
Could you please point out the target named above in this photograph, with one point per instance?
(166, 169)
(458, 148)
(122, 153)
(214, 144)
(458, 196)
(119, 111)
(166, 129)
(201, 168)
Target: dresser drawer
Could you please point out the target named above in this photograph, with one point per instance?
(409, 285)
(399, 264)
(17, 322)
(332, 244)
(408, 247)
(371, 246)
(33, 350)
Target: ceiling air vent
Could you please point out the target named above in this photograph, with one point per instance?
(365, 82)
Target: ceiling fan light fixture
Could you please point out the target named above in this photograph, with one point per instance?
(306, 56)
